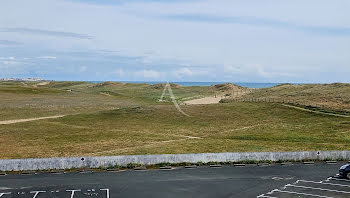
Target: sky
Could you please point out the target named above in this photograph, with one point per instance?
(176, 40)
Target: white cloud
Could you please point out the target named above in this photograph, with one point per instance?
(119, 72)
(83, 69)
(183, 72)
(148, 74)
(10, 62)
(261, 72)
(208, 41)
(7, 58)
(47, 57)
(233, 69)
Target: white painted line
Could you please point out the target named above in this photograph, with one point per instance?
(306, 181)
(336, 179)
(73, 192)
(272, 191)
(296, 182)
(321, 182)
(107, 192)
(328, 179)
(298, 193)
(265, 196)
(36, 193)
(342, 185)
(6, 193)
(322, 189)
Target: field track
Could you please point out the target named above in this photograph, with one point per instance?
(28, 120)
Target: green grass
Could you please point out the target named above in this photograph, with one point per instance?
(131, 121)
(161, 129)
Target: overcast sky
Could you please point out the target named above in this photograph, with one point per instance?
(176, 40)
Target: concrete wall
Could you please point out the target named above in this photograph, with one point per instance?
(107, 161)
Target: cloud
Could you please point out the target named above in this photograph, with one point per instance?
(7, 58)
(233, 69)
(148, 74)
(9, 43)
(10, 62)
(46, 33)
(120, 72)
(47, 57)
(258, 21)
(83, 69)
(182, 72)
(214, 38)
(121, 2)
(261, 72)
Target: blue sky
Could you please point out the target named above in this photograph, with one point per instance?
(183, 40)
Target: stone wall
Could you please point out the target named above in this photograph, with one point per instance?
(108, 161)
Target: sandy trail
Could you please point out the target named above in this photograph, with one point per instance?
(318, 112)
(28, 120)
(205, 100)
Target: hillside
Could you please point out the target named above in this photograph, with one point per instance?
(331, 96)
(58, 119)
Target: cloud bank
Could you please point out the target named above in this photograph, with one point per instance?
(200, 40)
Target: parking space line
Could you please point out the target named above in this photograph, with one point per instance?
(7, 193)
(321, 182)
(107, 192)
(342, 185)
(265, 196)
(73, 192)
(298, 193)
(322, 189)
(306, 181)
(298, 184)
(36, 193)
(336, 179)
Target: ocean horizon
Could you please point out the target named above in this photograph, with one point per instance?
(189, 84)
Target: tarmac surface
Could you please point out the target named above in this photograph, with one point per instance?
(293, 180)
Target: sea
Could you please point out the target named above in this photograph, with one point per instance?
(188, 84)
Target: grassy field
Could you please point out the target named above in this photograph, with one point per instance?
(118, 118)
(334, 96)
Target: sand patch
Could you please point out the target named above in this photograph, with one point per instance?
(205, 100)
(28, 120)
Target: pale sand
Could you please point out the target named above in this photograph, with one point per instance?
(43, 83)
(206, 100)
(28, 120)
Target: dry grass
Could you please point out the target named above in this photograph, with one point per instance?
(334, 96)
(130, 121)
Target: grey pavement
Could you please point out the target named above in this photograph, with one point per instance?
(227, 181)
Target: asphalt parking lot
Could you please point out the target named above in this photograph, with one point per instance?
(328, 188)
(291, 180)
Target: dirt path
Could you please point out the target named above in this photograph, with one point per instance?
(318, 112)
(206, 100)
(28, 120)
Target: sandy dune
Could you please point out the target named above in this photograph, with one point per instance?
(206, 100)
(28, 120)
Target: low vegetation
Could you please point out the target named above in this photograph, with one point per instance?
(121, 118)
(334, 96)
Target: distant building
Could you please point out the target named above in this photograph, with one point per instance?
(21, 79)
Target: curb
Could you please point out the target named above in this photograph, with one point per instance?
(191, 166)
(141, 168)
(239, 165)
(166, 168)
(145, 160)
